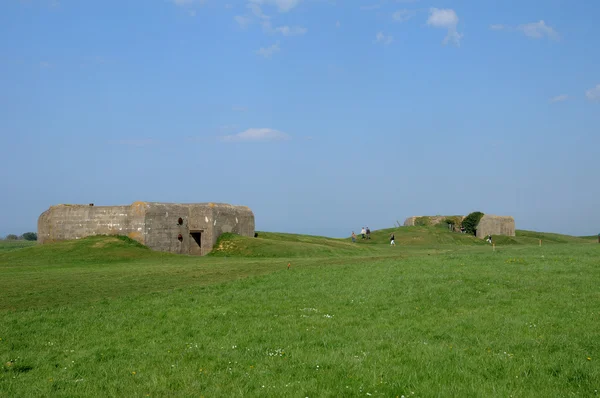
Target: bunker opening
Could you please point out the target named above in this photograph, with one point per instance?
(197, 237)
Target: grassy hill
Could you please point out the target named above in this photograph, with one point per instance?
(532, 238)
(93, 249)
(8, 245)
(269, 244)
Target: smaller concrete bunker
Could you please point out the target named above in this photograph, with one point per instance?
(182, 228)
(488, 225)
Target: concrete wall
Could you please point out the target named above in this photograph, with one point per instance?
(170, 227)
(495, 225)
(66, 222)
(236, 219)
(489, 224)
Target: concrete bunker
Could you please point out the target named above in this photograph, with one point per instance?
(488, 225)
(170, 227)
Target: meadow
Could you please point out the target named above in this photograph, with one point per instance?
(440, 314)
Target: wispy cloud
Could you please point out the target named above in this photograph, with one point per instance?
(559, 98)
(445, 19)
(593, 94)
(370, 7)
(238, 108)
(282, 5)
(338, 24)
(403, 15)
(242, 20)
(138, 142)
(534, 30)
(293, 31)
(46, 65)
(538, 30)
(267, 52)
(257, 134)
(257, 11)
(187, 2)
(382, 38)
(188, 5)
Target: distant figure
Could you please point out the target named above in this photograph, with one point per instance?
(462, 229)
(256, 234)
(489, 238)
(363, 232)
(392, 240)
(353, 237)
(368, 233)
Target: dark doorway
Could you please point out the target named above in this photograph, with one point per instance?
(197, 235)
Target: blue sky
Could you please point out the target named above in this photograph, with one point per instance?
(322, 116)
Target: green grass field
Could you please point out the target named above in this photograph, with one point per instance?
(441, 314)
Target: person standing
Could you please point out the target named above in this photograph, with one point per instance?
(368, 233)
(363, 232)
(392, 240)
(353, 237)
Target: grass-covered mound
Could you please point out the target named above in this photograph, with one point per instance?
(270, 244)
(91, 249)
(9, 245)
(422, 236)
(532, 238)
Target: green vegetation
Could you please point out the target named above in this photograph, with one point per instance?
(7, 245)
(29, 236)
(423, 221)
(441, 314)
(471, 222)
(453, 220)
(269, 244)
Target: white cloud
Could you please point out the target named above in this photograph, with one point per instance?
(559, 98)
(267, 52)
(257, 134)
(535, 30)
(445, 19)
(593, 94)
(538, 30)
(282, 5)
(293, 31)
(403, 15)
(381, 38)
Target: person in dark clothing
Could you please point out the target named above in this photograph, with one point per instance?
(392, 240)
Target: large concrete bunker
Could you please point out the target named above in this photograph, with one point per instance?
(170, 227)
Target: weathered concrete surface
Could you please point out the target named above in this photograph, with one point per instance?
(488, 225)
(495, 225)
(170, 227)
(434, 220)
